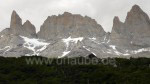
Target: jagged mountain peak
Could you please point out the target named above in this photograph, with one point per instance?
(14, 12)
(136, 8)
(68, 24)
(69, 18)
(117, 25)
(136, 14)
(30, 29)
(16, 27)
(116, 20)
(67, 14)
(15, 20)
(27, 22)
(134, 32)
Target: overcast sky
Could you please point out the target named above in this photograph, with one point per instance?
(38, 10)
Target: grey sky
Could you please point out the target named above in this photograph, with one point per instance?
(38, 10)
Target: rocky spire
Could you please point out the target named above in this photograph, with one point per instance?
(138, 22)
(136, 28)
(117, 26)
(116, 22)
(16, 21)
(117, 32)
(136, 14)
(16, 27)
(136, 8)
(16, 24)
(29, 28)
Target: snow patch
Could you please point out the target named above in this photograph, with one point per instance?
(67, 41)
(113, 47)
(89, 50)
(140, 50)
(105, 38)
(75, 40)
(86, 48)
(108, 41)
(64, 54)
(127, 52)
(94, 53)
(2, 36)
(116, 51)
(93, 39)
(7, 48)
(36, 45)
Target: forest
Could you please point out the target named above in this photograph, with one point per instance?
(120, 71)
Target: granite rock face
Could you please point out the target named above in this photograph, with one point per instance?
(134, 32)
(16, 21)
(138, 27)
(119, 36)
(67, 24)
(27, 29)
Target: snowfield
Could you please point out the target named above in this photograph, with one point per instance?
(36, 45)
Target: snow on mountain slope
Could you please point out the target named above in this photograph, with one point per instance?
(89, 50)
(126, 52)
(67, 41)
(141, 50)
(6, 49)
(36, 45)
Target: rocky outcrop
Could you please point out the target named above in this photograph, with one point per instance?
(16, 21)
(27, 29)
(138, 27)
(119, 36)
(67, 24)
(134, 32)
(16, 24)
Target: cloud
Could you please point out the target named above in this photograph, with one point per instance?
(38, 10)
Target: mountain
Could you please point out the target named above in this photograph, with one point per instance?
(71, 35)
(135, 30)
(134, 33)
(27, 29)
(12, 44)
(66, 31)
(67, 24)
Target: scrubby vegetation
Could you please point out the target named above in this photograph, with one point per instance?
(126, 71)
